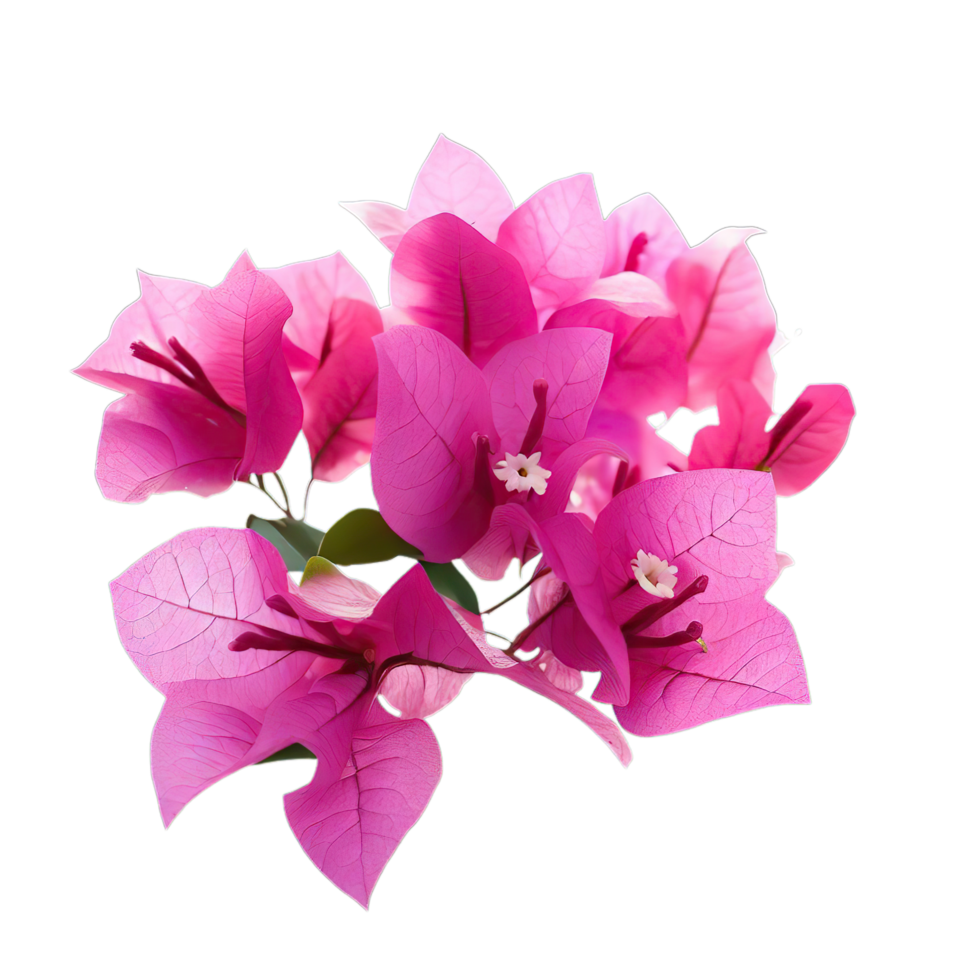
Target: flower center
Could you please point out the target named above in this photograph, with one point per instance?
(654, 575)
(522, 472)
(186, 369)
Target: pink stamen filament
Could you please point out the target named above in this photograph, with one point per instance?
(482, 482)
(194, 378)
(535, 427)
(636, 250)
(625, 477)
(647, 616)
(278, 604)
(691, 635)
(275, 640)
(327, 340)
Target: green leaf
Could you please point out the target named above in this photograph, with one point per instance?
(295, 541)
(363, 536)
(447, 580)
(294, 751)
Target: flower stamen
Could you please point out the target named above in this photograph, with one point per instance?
(647, 616)
(691, 635)
(186, 369)
(535, 428)
(636, 250)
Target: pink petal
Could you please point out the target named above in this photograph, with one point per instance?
(432, 404)
(340, 399)
(503, 541)
(210, 729)
(452, 179)
(420, 623)
(153, 441)
(755, 664)
(812, 444)
(161, 312)
(739, 441)
(333, 595)
(647, 370)
(535, 679)
(237, 327)
(572, 361)
(529, 675)
(179, 607)
(385, 221)
(629, 292)
(418, 690)
(569, 549)
(546, 592)
(447, 276)
(564, 472)
(194, 745)
(647, 373)
(566, 635)
(313, 288)
(356, 811)
(558, 236)
(455, 179)
(649, 456)
(234, 332)
(661, 243)
(722, 301)
(719, 523)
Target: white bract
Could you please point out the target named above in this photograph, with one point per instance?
(522, 472)
(655, 576)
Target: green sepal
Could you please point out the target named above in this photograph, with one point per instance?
(294, 751)
(316, 567)
(447, 580)
(295, 541)
(361, 537)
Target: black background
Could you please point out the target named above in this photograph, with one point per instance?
(532, 807)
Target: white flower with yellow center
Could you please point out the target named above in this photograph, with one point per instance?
(522, 472)
(655, 576)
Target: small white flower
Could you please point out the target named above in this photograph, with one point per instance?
(655, 576)
(522, 472)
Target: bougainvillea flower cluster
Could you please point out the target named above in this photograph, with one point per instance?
(503, 400)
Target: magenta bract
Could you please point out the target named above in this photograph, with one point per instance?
(251, 664)
(447, 276)
(208, 395)
(331, 356)
(796, 450)
(713, 646)
(444, 428)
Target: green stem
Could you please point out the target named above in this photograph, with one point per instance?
(528, 630)
(285, 496)
(526, 585)
(260, 485)
(306, 497)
